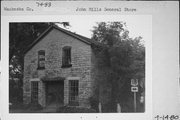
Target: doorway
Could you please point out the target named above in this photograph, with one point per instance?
(54, 93)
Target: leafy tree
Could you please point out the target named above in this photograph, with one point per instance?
(121, 60)
(22, 35)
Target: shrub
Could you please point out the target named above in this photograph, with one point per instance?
(94, 103)
(68, 109)
(33, 106)
(15, 92)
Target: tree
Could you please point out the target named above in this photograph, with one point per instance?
(123, 59)
(22, 35)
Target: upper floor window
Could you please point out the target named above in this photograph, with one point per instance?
(41, 59)
(66, 57)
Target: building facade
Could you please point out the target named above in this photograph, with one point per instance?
(59, 69)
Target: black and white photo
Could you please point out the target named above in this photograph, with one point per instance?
(54, 70)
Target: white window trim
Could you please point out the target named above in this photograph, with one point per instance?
(73, 78)
(35, 79)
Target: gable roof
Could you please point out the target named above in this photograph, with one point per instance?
(79, 37)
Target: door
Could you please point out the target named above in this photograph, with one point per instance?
(55, 93)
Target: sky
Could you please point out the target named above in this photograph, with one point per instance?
(138, 25)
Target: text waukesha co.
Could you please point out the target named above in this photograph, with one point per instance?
(13, 9)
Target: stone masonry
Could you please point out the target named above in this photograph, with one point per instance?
(83, 62)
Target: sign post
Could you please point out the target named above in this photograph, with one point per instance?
(134, 88)
(134, 101)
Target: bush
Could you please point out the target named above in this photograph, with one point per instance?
(68, 109)
(94, 103)
(16, 106)
(33, 106)
(109, 107)
(15, 92)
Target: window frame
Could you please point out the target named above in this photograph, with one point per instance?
(74, 92)
(41, 53)
(66, 57)
(34, 91)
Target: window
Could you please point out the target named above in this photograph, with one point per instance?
(73, 92)
(41, 59)
(34, 91)
(66, 57)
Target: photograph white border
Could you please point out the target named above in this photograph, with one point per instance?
(165, 52)
(76, 116)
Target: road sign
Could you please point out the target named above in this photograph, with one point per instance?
(134, 82)
(134, 89)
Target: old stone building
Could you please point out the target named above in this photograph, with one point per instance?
(59, 69)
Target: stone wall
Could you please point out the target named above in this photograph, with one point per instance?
(53, 43)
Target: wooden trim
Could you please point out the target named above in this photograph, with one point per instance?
(35, 79)
(73, 78)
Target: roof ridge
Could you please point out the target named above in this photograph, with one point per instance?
(81, 36)
(71, 33)
(77, 36)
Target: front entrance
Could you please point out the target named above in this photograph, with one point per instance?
(54, 93)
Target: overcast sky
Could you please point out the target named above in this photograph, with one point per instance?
(138, 25)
